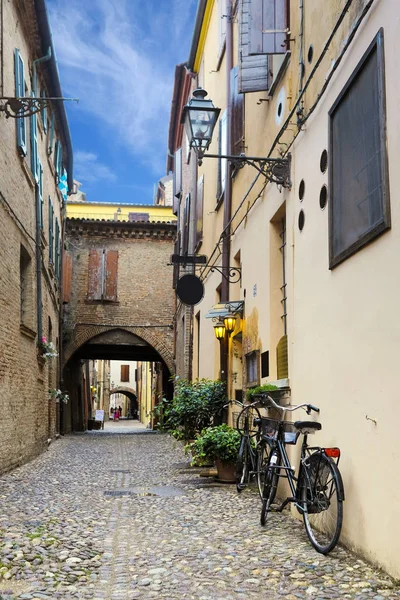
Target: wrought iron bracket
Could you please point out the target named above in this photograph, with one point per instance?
(17, 108)
(234, 274)
(275, 170)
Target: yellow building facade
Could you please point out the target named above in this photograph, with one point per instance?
(317, 257)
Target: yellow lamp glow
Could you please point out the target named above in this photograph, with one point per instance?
(219, 331)
(230, 323)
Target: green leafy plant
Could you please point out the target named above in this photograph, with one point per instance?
(260, 389)
(221, 442)
(195, 406)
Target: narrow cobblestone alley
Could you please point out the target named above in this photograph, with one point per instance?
(68, 530)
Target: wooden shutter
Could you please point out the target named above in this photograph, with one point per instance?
(268, 27)
(20, 92)
(67, 277)
(57, 250)
(124, 372)
(237, 107)
(177, 177)
(175, 275)
(199, 210)
(110, 275)
(254, 73)
(95, 278)
(282, 363)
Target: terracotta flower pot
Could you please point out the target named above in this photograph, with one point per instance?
(226, 471)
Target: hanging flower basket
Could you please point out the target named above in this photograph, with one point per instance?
(47, 349)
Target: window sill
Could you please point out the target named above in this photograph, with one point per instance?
(280, 73)
(27, 331)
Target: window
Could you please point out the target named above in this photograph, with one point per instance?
(102, 277)
(237, 108)
(20, 93)
(253, 75)
(252, 368)
(124, 372)
(58, 159)
(359, 207)
(265, 364)
(199, 210)
(25, 274)
(140, 217)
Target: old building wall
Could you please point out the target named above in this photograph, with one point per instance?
(28, 414)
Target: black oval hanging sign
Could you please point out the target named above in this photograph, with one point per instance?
(190, 289)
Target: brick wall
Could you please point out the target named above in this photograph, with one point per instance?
(145, 303)
(28, 417)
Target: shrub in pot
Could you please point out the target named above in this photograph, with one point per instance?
(220, 444)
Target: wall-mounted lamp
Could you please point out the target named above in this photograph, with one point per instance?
(219, 330)
(230, 323)
(200, 116)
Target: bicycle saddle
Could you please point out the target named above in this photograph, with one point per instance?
(307, 425)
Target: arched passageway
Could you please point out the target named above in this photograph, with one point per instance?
(150, 380)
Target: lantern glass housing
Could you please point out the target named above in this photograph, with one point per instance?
(199, 117)
(230, 323)
(219, 330)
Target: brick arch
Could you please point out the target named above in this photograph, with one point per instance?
(123, 390)
(156, 339)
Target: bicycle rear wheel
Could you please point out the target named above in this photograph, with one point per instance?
(242, 465)
(270, 485)
(248, 421)
(321, 493)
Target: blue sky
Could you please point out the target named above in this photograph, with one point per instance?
(118, 57)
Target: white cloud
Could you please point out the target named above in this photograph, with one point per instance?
(89, 170)
(118, 57)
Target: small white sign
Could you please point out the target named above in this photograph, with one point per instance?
(99, 416)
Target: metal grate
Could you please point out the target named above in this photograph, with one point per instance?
(117, 493)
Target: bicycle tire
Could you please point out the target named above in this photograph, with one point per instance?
(242, 465)
(270, 486)
(321, 494)
(263, 452)
(245, 421)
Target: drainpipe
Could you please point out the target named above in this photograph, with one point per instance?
(37, 62)
(226, 246)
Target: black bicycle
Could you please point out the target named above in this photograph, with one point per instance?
(317, 490)
(254, 448)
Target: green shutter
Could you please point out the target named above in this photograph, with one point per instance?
(43, 112)
(20, 93)
(40, 189)
(51, 231)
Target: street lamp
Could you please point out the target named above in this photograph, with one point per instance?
(219, 330)
(230, 323)
(200, 116)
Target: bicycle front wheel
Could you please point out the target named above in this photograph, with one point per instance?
(270, 485)
(321, 493)
(263, 452)
(248, 421)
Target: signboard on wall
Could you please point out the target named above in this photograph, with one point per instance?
(99, 416)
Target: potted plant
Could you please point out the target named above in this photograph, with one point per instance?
(46, 349)
(220, 444)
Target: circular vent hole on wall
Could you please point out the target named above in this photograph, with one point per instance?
(323, 197)
(310, 54)
(301, 220)
(302, 189)
(323, 163)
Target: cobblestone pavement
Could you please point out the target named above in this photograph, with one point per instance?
(72, 527)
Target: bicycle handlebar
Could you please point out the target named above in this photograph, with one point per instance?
(288, 407)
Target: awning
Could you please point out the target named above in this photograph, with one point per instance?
(223, 309)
